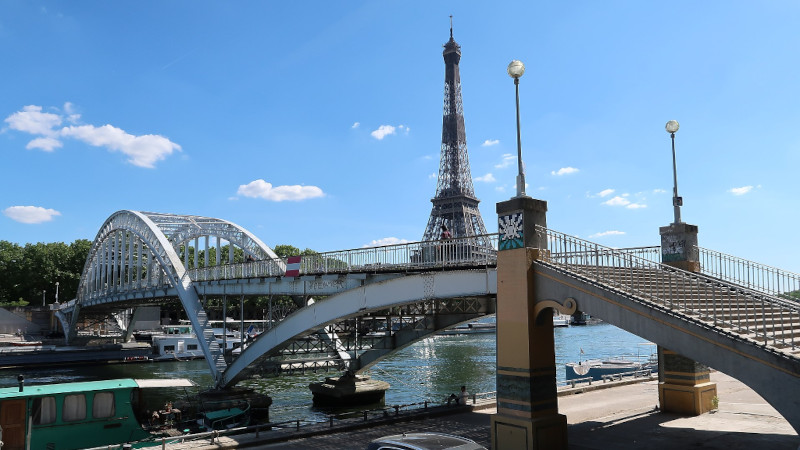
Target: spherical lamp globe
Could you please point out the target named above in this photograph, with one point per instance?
(672, 126)
(516, 69)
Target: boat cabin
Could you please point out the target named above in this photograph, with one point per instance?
(74, 415)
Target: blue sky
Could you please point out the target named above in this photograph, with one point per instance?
(318, 124)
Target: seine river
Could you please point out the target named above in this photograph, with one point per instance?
(428, 370)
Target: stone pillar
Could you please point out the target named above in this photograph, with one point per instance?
(527, 403)
(684, 385)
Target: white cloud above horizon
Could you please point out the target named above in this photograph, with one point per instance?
(740, 190)
(142, 151)
(605, 192)
(356, 125)
(387, 130)
(261, 189)
(490, 142)
(620, 200)
(386, 241)
(30, 214)
(507, 160)
(488, 178)
(564, 171)
(607, 233)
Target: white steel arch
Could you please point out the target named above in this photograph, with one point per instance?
(361, 300)
(141, 250)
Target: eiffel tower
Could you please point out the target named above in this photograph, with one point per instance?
(455, 205)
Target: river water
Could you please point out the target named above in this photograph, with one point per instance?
(428, 370)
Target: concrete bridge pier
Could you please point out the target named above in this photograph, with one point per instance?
(684, 384)
(527, 404)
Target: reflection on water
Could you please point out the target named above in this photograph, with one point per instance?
(428, 370)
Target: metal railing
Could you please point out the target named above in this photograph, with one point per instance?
(696, 297)
(470, 251)
(752, 275)
(288, 428)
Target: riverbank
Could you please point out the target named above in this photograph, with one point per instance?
(619, 416)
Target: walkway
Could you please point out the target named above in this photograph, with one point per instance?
(622, 417)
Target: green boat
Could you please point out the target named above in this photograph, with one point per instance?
(81, 415)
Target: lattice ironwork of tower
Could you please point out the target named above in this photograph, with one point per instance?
(454, 204)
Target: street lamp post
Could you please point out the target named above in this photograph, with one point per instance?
(672, 127)
(56, 291)
(43, 294)
(515, 71)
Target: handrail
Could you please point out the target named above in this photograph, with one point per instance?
(752, 275)
(769, 320)
(470, 251)
(380, 413)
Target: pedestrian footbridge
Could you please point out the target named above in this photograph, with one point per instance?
(734, 315)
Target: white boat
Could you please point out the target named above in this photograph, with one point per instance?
(560, 320)
(179, 342)
(471, 328)
(597, 368)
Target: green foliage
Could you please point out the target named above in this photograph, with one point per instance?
(284, 251)
(25, 272)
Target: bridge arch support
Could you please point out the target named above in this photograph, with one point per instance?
(368, 298)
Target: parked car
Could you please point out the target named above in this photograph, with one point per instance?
(424, 441)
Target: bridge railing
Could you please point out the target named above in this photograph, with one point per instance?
(749, 274)
(472, 251)
(476, 251)
(752, 275)
(765, 318)
(253, 269)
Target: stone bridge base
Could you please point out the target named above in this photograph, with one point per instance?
(542, 433)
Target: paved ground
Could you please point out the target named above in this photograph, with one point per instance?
(622, 417)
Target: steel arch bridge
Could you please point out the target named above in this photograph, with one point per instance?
(139, 252)
(139, 258)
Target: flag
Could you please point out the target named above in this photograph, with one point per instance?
(293, 266)
(581, 351)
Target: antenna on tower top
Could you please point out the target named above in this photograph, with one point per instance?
(451, 26)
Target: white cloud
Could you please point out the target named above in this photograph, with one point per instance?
(72, 116)
(500, 188)
(47, 144)
(564, 171)
(356, 125)
(740, 190)
(507, 160)
(607, 233)
(383, 131)
(488, 178)
(32, 120)
(617, 201)
(605, 192)
(490, 142)
(620, 200)
(659, 191)
(30, 214)
(142, 151)
(386, 241)
(432, 176)
(261, 189)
